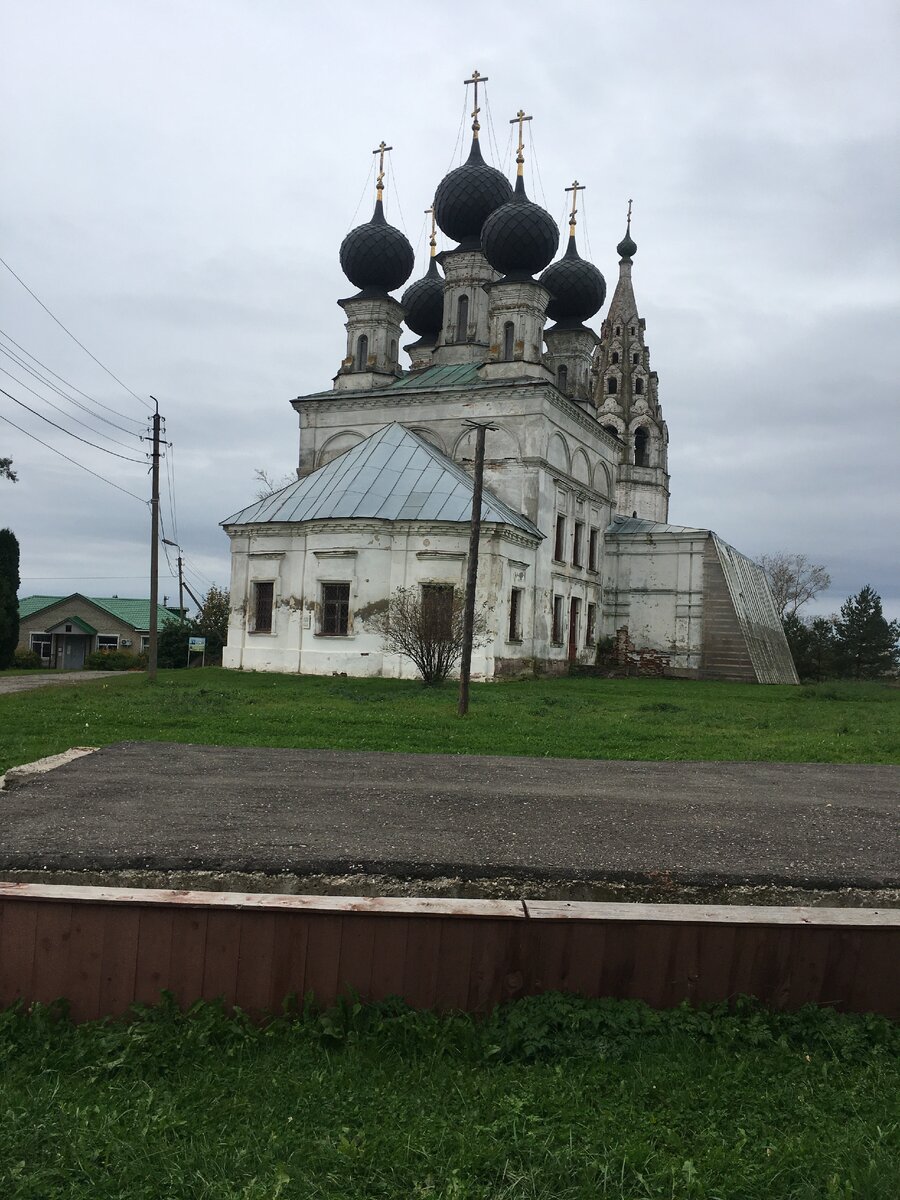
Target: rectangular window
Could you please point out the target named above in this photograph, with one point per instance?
(41, 644)
(145, 643)
(107, 641)
(557, 635)
(559, 548)
(437, 611)
(335, 609)
(589, 624)
(515, 615)
(593, 538)
(263, 597)
(577, 544)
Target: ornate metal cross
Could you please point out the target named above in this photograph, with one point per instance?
(520, 119)
(574, 189)
(381, 149)
(477, 78)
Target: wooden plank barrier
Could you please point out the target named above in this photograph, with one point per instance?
(103, 949)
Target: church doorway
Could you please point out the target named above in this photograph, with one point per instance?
(574, 618)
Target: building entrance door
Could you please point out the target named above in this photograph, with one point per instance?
(74, 650)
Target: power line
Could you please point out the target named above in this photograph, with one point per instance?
(62, 428)
(72, 335)
(75, 462)
(69, 416)
(50, 371)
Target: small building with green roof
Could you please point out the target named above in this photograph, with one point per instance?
(64, 630)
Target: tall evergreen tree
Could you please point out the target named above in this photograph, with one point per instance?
(9, 596)
(868, 645)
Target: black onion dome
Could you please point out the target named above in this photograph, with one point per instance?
(467, 196)
(627, 247)
(520, 238)
(424, 303)
(376, 257)
(577, 288)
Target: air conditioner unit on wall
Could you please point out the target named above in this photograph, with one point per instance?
(125, 642)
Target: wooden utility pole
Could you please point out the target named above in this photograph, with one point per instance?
(465, 665)
(154, 543)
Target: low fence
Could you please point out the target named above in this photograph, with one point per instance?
(105, 948)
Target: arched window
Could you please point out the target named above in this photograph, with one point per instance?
(562, 378)
(611, 429)
(641, 448)
(631, 331)
(638, 387)
(509, 337)
(393, 350)
(634, 359)
(362, 352)
(618, 330)
(462, 319)
(615, 356)
(612, 385)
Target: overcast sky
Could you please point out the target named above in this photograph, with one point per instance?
(177, 178)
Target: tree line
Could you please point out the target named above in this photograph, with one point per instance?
(856, 643)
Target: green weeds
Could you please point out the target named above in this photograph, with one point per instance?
(553, 1097)
(569, 718)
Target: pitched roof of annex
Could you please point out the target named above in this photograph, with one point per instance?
(394, 475)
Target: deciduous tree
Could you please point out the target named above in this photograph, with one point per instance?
(425, 625)
(6, 471)
(794, 581)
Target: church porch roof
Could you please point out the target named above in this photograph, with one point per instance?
(638, 525)
(394, 475)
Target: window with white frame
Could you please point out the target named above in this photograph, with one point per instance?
(42, 644)
(107, 641)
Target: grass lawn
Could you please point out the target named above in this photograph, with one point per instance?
(553, 1098)
(570, 718)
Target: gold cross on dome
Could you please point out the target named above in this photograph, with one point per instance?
(477, 78)
(574, 189)
(629, 217)
(432, 241)
(520, 119)
(381, 149)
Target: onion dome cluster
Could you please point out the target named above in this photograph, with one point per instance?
(376, 257)
(520, 238)
(577, 288)
(467, 196)
(424, 303)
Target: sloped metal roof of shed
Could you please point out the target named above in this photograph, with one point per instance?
(621, 524)
(394, 475)
(135, 613)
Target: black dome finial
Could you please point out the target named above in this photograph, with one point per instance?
(376, 257)
(424, 299)
(627, 248)
(577, 289)
(519, 239)
(467, 195)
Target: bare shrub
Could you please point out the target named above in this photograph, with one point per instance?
(425, 625)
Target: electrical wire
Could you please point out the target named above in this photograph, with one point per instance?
(370, 174)
(537, 166)
(395, 191)
(456, 156)
(72, 335)
(69, 416)
(490, 124)
(586, 226)
(75, 462)
(98, 403)
(62, 429)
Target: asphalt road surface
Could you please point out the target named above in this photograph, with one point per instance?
(170, 807)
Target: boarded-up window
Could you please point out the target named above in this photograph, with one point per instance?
(335, 609)
(437, 610)
(263, 595)
(557, 634)
(562, 378)
(589, 623)
(509, 338)
(462, 319)
(362, 352)
(577, 544)
(559, 548)
(593, 539)
(515, 615)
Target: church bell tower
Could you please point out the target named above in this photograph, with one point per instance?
(627, 401)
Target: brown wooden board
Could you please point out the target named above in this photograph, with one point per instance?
(323, 957)
(18, 932)
(389, 957)
(288, 979)
(188, 956)
(256, 957)
(50, 973)
(118, 967)
(87, 936)
(153, 973)
(223, 945)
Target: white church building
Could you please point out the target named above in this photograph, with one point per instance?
(575, 544)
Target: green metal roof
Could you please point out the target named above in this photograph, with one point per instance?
(73, 620)
(457, 375)
(135, 613)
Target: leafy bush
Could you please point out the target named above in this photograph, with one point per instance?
(26, 660)
(115, 660)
